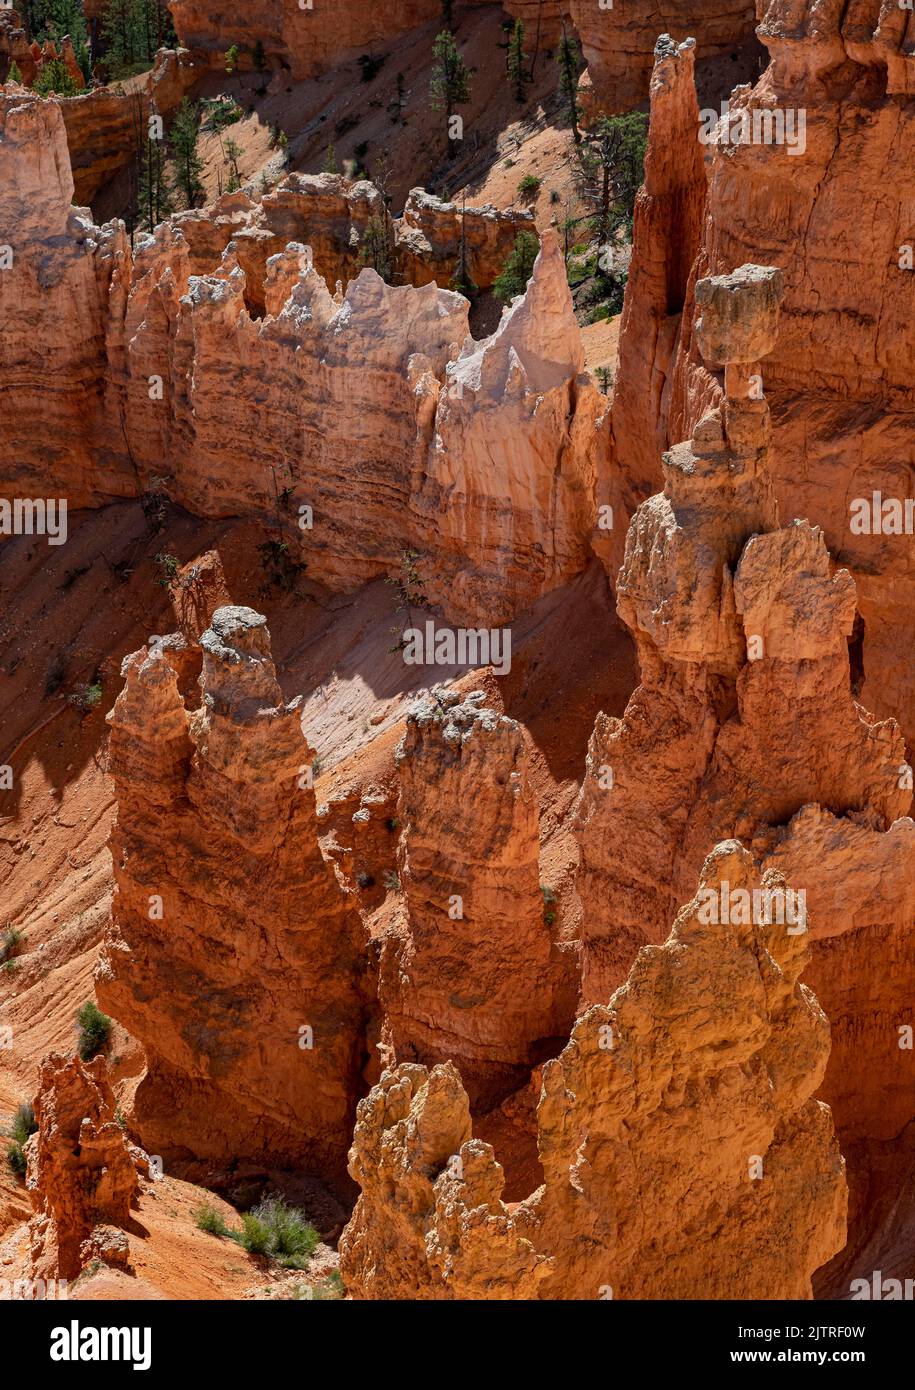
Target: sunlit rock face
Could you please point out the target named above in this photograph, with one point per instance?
(676, 1130)
(233, 954)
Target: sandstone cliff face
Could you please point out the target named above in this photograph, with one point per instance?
(667, 228)
(60, 298)
(511, 473)
(839, 379)
(474, 975)
(617, 41)
(745, 726)
(302, 40)
(82, 1173)
(489, 467)
(428, 239)
(677, 1133)
(234, 955)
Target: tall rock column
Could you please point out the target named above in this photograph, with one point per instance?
(473, 975)
(233, 954)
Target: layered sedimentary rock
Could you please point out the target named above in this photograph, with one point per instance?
(429, 237)
(473, 976)
(233, 955)
(63, 286)
(489, 468)
(745, 725)
(337, 218)
(667, 227)
(304, 40)
(511, 472)
(823, 133)
(617, 41)
(683, 1152)
(83, 1174)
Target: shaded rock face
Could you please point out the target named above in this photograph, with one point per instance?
(617, 42)
(428, 239)
(233, 955)
(745, 726)
(667, 227)
(474, 975)
(677, 1133)
(60, 299)
(301, 40)
(82, 1174)
(839, 379)
(511, 473)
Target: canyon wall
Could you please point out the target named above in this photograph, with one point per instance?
(484, 458)
(617, 41)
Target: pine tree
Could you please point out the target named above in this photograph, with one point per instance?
(449, 85)
(330, 161)
(233, 152)
(189, 165)
(569, 59)
(14, 75)
(54, 77)
(517, 74)
(611, 168)
(461, 280)
(155, 192)
(514, 275)
(377, 250)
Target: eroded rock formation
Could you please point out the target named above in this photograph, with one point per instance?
(826, 127)
(473, 975)
(684, 1153)
(745, 725)
(617, 41)
(83, 1174)
(234, 954)
(62, 290)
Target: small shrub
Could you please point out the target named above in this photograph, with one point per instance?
(219, 112)
(392, 881)
(15, 1157)
(208, 1219)
(255, 1236)
(168, 569)
(94, 1030)
(278, 565)
(10, 941)
(365, 881)
(86, 696)
(529, 185)
(24, 1123)
(290, 1238)
(370, 66)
